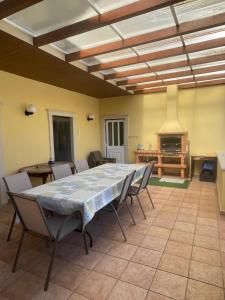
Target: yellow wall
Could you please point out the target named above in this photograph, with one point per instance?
(201, 112)
(26, 139)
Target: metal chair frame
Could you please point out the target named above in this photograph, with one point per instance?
(9, 190)
(143, 186)
(119, 202)
(51, 238)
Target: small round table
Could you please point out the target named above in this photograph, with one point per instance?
(42, 170)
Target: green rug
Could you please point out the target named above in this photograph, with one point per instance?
(156, 181)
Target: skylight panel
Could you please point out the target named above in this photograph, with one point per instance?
(106, 5)
(205, 35)
(159, 46)
(190, 10)
(88, 39)
(130, 67)
(211, 64)
(173, 70)
(208, 52)
(108, 57)
(168, 60)
(222, 73)
(152, 21)
(49, 15)
(178, 78)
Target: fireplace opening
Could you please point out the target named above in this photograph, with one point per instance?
(170, 143)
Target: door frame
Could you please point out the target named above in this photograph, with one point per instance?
(59, 113)
(115, 117)
(3, 195)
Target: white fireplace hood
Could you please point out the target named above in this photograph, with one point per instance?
(171, 124)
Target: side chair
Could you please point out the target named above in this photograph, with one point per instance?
(81, 165)
(16, 184)
(135, 191)
(53, 229)
(120, 201)
(61, 171)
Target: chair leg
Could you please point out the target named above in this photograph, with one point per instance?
(118, 220)
(129, 210)
(50, 266)
(141, 206)
(18, 251)
(11, 227)
(131, 200)
(149, 196)
(90, 239)
(85, 241)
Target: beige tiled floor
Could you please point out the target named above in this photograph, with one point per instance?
(177, 253)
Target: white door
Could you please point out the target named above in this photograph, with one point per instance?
(115, 140)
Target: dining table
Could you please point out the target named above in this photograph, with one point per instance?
(87, 191)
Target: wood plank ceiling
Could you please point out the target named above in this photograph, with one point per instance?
(104, 48)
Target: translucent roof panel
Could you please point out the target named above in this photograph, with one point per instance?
(104, 58)
(88, 39)
(168, 60)
(178, 78)
(208, 52)
(148, 22)
(106, 5)
(204, 35)
(158, 46)
(221, 73)
(141, 75)
(130, 67)
(190, 10)
(211, 64)
(173, 70)
(49, 15)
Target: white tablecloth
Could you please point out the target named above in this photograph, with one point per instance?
(87, 191)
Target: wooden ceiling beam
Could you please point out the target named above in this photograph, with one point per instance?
(158, 55)
(163, 67)
(9, 7)
(175, 81)
(113, 16)
(183, 28)
(172, 75)
(153, 90)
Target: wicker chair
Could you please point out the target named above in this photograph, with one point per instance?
(96, 159)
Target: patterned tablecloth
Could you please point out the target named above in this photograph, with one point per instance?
(87, 191)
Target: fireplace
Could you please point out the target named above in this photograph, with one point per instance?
(170, 143)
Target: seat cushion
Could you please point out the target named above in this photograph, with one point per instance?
(70, 225)
(133, 190)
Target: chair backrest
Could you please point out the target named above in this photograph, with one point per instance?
(146, 176)
(61, 171)
(17, 183)
(30, 213)
(81, 165)
(97, 155)
(127, 183)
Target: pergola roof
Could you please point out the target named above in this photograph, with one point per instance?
(140, 46)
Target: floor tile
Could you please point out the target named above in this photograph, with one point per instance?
(174, 264)
(170, 285)
(182, 217)
(68, 275)
(206, 273)
(54, 292)
(76, 296)
(178, 249)
(154, 243)
(206, 242)
(180, 236)
(206, 221)
(207, 256)
(111, 265)
(127, 291)
(147, 257)
(184, 226)
(197, 290)
(155, 296)
(123, 250)
(96, 286)
(159, 232)
(138, 275)
(207, 231)
(24, 288)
